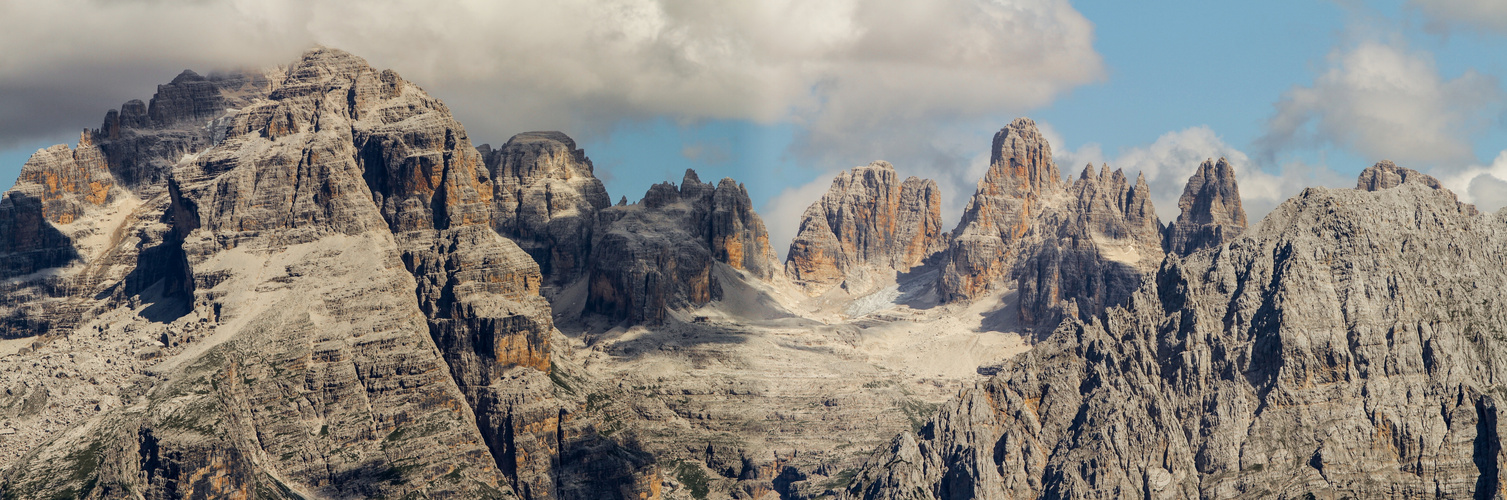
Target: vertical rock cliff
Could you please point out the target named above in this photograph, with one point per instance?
(57, 186)
(546, 200)
(1069, 250)
(1091, 253)
(659, 253)
(59, 213)
(867, 225)
(1350, 346)
(1211, 213)
(302, 365)
(1021, 179)
(332, 313)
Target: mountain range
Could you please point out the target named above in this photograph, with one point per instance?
(309, 282)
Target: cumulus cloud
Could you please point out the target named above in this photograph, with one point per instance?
(782, 213)
(1168, 162)
(1483, 185)
(850, 72)
(1385, 102)
(1488, 192)
(1485, 15)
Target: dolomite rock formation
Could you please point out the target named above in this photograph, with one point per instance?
(143, 141)
(57, 186)
(659, 253)
(63, 196)
(316, 305)
(1211, 213)
(1386, 175)
(546, 200)
(1069, 250)
(309, 369)
(1090, 254)
(1022, 178)
(1350, 346)
(868, 223)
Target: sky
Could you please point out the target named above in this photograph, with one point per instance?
(781, 95)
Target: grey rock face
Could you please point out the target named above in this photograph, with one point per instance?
(338, 318)
(1021, 178)
(1349, 346)
(132, 152)
(546, 200)
(143, 141)
(1090, 254)
(659, 253)
(299, 360)
(1387, 175)
(1211, 212)
(305, 169)
(868, 221)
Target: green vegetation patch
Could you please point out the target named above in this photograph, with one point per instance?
(596, 401)
(918, 412)
(558, 377)
(694, 478)
(842, 480)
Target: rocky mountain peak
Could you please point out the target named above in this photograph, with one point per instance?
(545, 199)
(531, 156)
(1090, 253)
(735, 232)
(1211, 212)
(1020, 161)
(1386, 175)
(692, 189)
(866, 227)
(1306, 358)
(660, 253)
(326, 64)
(1021, 176)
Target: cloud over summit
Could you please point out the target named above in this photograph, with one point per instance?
(839, 69)
(1385, 102)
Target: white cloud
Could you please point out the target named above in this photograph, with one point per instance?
(782, 213)
(1487, 15)
(838, 68)
(1385, 102)
(1488, 192)
(1483, 185)
(1172, 158)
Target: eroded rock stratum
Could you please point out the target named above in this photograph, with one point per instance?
(1348, 346)
(306, 282)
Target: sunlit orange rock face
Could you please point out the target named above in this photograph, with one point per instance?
(70, 179)
(868, 222)
(57, 186)
(1021, 177)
